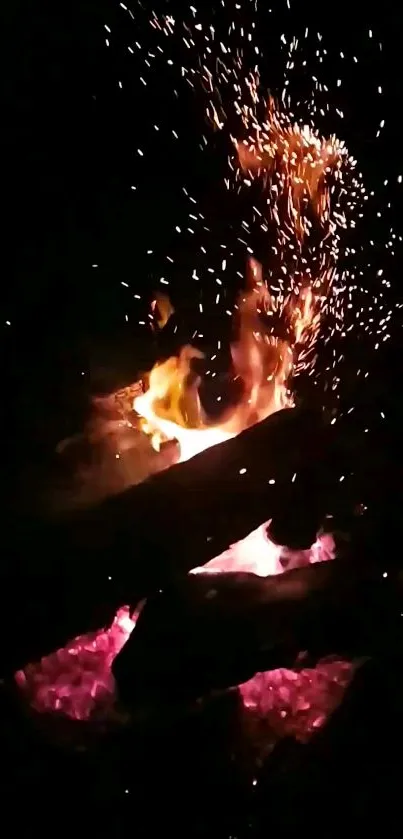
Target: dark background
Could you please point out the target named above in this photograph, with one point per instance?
(69, 159)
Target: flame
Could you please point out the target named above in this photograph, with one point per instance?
(276, 334)
(171, 410)
(170, 407)
(257, 554)
(162, 310)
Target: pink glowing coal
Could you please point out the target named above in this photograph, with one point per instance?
(77, 681)
(295, 703)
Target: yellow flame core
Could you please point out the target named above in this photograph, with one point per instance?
(170, 407)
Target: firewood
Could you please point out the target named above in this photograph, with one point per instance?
(69, 576)
(217, 630)
(189, 513)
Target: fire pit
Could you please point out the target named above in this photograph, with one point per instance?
(77, 680)
(230, 516)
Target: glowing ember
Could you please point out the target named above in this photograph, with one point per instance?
(285, 702)
(303, 162)
(77, 681)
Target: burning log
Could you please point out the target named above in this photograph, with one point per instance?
(218, 630)
(182, 517)
(134, 543)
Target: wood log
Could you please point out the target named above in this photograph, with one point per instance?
(189, 513)
(69, 577)
(218, 630)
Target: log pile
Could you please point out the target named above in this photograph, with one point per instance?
(68, 577)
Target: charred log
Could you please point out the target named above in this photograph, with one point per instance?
(189, 513)
(368, 784)
(83, 567)
(216, 631)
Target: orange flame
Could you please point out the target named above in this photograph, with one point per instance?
(297, 161)
(162, 309)
(170, 407)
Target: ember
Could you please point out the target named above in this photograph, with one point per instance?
(77, 681)
(285, 702)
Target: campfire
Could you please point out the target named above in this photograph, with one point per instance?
(275, 341)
